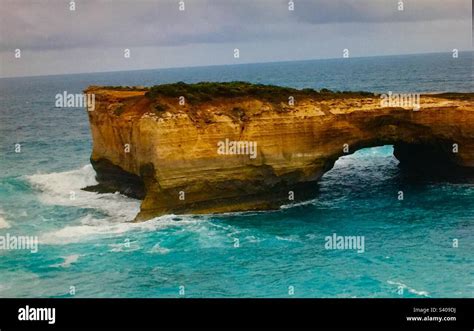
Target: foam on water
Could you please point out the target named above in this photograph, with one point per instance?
(288, 238)
(3, 222)
(65, 189)
(299, 204)
(411, 290)
(157, 249)
(125, 247)
(119, 211)
(68, 261)
(91, 228)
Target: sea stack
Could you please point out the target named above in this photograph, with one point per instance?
(224, 147)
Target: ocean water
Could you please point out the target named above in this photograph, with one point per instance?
(89, 242)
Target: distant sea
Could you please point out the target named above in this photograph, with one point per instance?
(89, 243)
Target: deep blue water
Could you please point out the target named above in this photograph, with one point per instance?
(90, 244)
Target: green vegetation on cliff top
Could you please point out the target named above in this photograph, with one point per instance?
(206, 91)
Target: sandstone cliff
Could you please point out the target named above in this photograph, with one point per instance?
(160, 144)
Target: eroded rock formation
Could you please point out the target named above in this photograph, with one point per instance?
(155, 145)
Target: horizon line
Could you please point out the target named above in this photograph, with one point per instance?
(231, 64)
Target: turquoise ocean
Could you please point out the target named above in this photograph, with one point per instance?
(89, 243)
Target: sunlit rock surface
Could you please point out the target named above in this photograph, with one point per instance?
(162, 144)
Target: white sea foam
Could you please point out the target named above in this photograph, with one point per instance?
(118, 210)
(3, 222)
(91, 228)
(252, 239)
(68, 260)
(125, 247)
(297, 204)
(65, 189)
(411, 290)
(157, 249)
(289, 238)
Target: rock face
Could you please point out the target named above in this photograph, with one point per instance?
(172, 145)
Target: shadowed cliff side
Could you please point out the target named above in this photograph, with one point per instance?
(187, 148)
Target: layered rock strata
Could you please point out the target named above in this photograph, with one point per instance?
(189, 148)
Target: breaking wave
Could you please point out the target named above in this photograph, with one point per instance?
(116, 211)
(65, 189)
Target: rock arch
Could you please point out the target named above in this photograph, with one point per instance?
(173, 147)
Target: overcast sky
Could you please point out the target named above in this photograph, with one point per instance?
(55, 40)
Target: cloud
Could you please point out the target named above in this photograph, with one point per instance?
(381, 11)
(50, 25)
